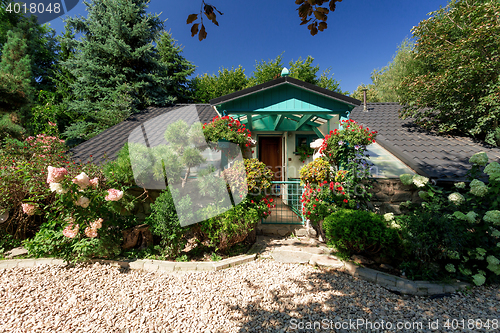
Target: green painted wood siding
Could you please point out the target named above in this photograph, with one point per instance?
(285, 98)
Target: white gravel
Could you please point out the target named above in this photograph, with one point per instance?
(261, 296)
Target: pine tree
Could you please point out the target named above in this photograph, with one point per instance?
(15, 89)
(179, 69)
(116, 67)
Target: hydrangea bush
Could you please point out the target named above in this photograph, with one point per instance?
(85, 219)
(23, 173)
(469, 216)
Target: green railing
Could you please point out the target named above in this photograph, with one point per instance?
(286, 195)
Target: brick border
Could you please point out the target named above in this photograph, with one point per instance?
(147, 265)
(403, 286)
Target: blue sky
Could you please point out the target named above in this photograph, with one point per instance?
(362, 34)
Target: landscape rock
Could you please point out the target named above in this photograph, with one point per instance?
(16, 252)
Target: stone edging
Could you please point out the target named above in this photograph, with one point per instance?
(403, 286)
(144, 264)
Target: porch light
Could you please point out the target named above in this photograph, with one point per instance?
(285, 72)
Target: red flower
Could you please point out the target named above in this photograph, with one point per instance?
(346, 201)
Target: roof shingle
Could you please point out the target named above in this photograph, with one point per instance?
(107, 144)
(442, 157)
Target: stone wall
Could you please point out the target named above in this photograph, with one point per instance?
(389, 193)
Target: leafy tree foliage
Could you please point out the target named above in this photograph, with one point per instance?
(300, 69)
(386, 81)
(372, 94)
(309, 10)
(457, 86)
(179, 69)
(117, 68)
(208, 87)
(226, 81)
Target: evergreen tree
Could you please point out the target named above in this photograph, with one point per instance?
(116, 67)
(15, 89)
(179, 69)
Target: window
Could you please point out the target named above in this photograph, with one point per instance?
(304, 139)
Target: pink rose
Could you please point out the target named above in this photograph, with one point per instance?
(71, 230)
(114, 195)
(29, 208)
(56, 174)
(82, 180)
(97, 224)
(90, 232)
(94, 182)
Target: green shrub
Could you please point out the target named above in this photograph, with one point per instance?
(457, 229)
(229, 227)
(164, 223)
(428, 237)
(355, 231)
(84, 220)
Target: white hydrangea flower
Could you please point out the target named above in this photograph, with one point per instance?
(494, 268)
(492, 260)
(456, 198)
(389, 216)
(495, 233)
(492, 216)
(423, 195)
(58, 188)
(471, 217)
(478, 279)
(450, 268)
(479, 159)
(420, 181)
(478, 188)
(406, 179)
(493, 170)
(83, 202)
(460, 185)
(394, 225)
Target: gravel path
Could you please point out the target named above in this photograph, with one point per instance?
(261, 296)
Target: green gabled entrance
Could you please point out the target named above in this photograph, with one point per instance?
(286, 108)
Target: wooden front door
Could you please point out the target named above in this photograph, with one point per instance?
(270, 154)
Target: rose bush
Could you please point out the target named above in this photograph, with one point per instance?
(23, 175)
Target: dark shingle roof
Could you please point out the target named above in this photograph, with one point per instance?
(112, 140)
(286, 80)
(442, 157)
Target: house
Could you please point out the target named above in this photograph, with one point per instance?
(285, 114)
